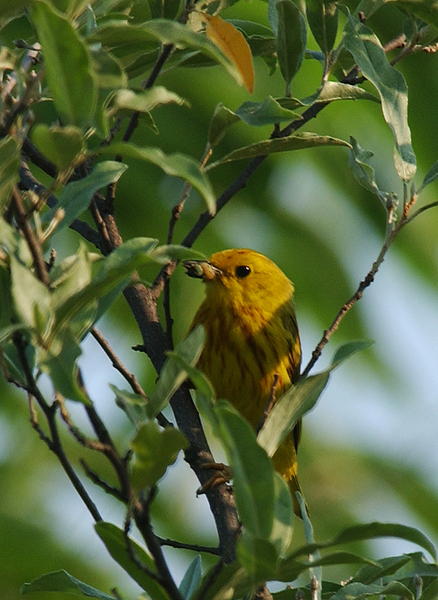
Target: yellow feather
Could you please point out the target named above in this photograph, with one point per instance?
(251, 339)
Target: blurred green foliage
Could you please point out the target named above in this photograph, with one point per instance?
(304, 209)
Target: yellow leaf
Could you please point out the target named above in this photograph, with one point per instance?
(232, 43)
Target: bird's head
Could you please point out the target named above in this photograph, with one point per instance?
(242, 277)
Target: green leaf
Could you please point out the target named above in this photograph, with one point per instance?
(293, 142)
(9, 237)
(31, 298)
(430, 176)
(289, 408)
(417, 566)
(359, 590)
(11, 357)
(267, 112)
(258, 557)
(173, 373)
(299, 399)
(291, 39)
(249, 28)
(431, 592)
(115, 269)
(322, 16)
(265, 48)
(369, 531)
(368, 7)
(289, 568)
(191, 578)
(134, 405)
(253, 473)
(114, 540)
(146, 100)
(9, 164)
(348, 349)
(61, 581)
(333, 91)
(370, 57)
(330, 91)
(282, 529)
(231, 582)
(384, 568)
(427, 10)
(154, 450)
(166, 253)
(9, 10)
(358, 161)
(77, 195)
(67, 64)
(71, 275)
(108, 71)
(63, 146)
(176, 165)
(166, 32)
(59, 363)
(221, 120)
(197, 377)
(164, 8)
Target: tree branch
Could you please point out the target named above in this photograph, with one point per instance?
(32, 242)
(53, 442)
(185, 546)
(130, 377)
(368, 280)
(140, 512)
(29, 182)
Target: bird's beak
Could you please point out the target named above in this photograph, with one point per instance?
(201, 269)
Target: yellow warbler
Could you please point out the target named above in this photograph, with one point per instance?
(252, 352)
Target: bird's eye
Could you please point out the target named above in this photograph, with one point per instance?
(242, 271)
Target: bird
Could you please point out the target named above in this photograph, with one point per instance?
(252, 352)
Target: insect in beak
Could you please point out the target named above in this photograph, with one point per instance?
(201, 269)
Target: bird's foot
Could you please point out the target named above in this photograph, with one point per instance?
(223, 474)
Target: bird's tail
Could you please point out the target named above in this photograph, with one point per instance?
(285, 462)
(294, 486)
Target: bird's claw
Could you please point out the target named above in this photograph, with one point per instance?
(223, 475)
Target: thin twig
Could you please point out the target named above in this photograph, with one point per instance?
(130, 377)
(132, 554)
(146, 85)
(53, 441)
(140, 512)
(366, 282)
(29, 182)
(39, 159)
(105, 243)
(97, 480)
(117, 363)
(32, 241)
(75, 431)
(421, 210)
(242, 179)
(176, 212)
(22, 104)
(184, 546)
(214, 574)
